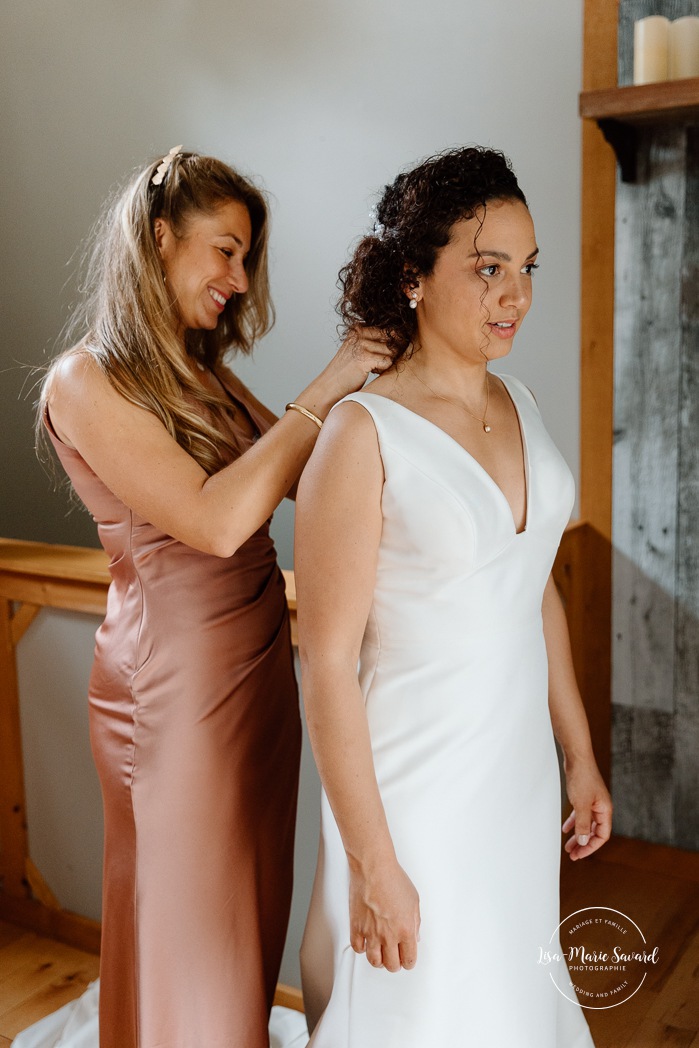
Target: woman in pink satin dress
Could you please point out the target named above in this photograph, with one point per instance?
(193, 705)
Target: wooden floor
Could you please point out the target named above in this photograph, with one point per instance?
(37, 976)
(657, 887)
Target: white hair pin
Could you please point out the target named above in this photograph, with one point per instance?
(379, 230)
(162, 167)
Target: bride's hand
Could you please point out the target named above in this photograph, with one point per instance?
(385, 917)
(591, 817)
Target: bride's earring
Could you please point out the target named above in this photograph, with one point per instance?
(413, 300)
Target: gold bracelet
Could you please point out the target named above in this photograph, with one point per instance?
(304, 411)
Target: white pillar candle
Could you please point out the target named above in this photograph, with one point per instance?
(650, 49)
(683, 48)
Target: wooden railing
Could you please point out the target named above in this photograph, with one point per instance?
(35, 575)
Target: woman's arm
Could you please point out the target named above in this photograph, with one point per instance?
(133, 454)
(592, 805)
(338, 527)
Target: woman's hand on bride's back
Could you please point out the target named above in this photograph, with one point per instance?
(385, 917)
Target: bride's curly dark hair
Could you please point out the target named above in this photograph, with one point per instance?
(414, 219)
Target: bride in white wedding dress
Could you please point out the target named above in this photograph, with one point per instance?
(428, 520)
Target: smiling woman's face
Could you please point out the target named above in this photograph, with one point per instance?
(480, 289)
(206, 265)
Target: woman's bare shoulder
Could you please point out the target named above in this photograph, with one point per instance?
(80, 397)
(76, 367)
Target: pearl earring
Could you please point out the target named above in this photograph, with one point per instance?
(413, 300)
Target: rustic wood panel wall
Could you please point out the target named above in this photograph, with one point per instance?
(655, 527)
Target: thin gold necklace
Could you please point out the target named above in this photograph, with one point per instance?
(483, 422)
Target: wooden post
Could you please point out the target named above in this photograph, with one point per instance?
(13, 823)
(597, 277)
(579, 574)
(597, 379)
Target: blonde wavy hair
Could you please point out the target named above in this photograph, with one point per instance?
(128, 323)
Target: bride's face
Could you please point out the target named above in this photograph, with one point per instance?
(480, 289)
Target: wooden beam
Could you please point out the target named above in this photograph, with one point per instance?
(54, 593)
(582, 573)
(290, 581)
(597, 276)
(288, 997)
(13, 825)
(22, 620)
(71, 577)
(61, 925)
(42, 559)
(594, 642)
(40, 889)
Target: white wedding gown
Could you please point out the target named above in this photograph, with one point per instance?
(454, 673)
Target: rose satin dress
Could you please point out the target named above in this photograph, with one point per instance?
(195, 731)
(454, 673)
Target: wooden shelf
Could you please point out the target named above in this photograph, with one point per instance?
(673, 101)
(621, 113)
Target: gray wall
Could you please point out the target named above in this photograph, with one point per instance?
(321, 101)
(656, 480)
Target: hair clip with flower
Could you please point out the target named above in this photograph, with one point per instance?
(159, 175)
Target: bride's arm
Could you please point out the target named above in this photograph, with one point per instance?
(338, 527)
(591, 818)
